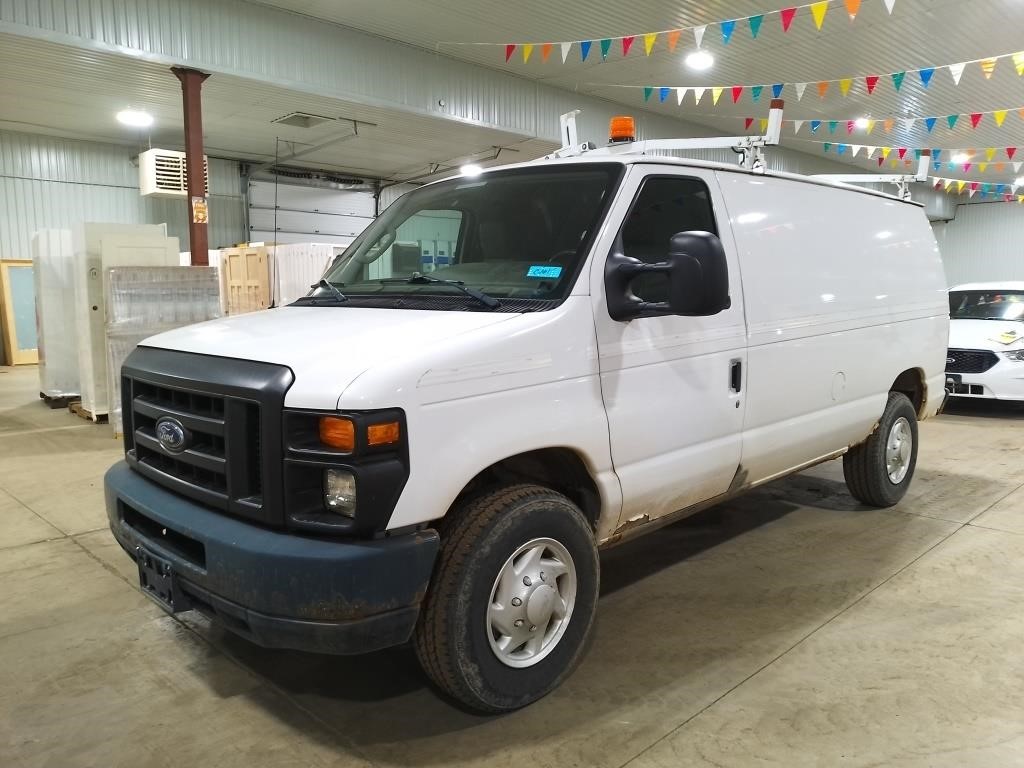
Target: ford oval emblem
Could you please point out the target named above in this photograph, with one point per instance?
(171, 434)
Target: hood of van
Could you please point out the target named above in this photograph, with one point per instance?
(326, 348)
(997, 335)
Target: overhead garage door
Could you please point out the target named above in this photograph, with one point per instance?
(293, 213)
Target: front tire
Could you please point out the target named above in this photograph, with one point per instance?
(512, 600)
(879, 470)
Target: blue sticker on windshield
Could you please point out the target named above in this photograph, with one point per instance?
(544, 271)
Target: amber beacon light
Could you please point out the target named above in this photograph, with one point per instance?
(621, 128)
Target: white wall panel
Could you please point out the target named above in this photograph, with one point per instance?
(49, 183)
(984, 241)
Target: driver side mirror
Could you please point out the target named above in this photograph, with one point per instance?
(697, 274)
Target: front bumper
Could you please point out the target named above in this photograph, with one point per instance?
(1003, 381)
(279, 590)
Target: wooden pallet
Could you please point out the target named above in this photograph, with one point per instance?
(75, 406)
(57, 402)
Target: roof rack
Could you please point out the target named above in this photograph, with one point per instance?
(902, 180)
(750, 147)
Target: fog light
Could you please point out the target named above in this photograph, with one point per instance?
(1017, 355)
(340, 492)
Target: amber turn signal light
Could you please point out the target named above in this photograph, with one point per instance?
(621, 128)
(383, 434)
(338, 433)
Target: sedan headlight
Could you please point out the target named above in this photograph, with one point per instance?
(1017, 355)
(340, 492)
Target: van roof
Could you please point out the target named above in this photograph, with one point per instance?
(637, 159)
(1005, 285)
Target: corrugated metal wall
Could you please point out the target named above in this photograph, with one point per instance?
(47, 182)
(984, 241)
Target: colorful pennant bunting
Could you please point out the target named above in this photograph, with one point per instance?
(755, 24)
(727, 29)
(787, 14)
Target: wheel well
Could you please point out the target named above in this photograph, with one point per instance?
(560, 469)
(911, 384)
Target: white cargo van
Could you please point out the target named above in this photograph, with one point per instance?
(620, 340)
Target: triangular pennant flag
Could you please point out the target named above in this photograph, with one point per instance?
(854, 149)
(936, 183)
(870, 126)
(509, 50)
(986, 188)
(800, 88)
(885, 152)
(947, 183)
(982, 167)
(841, 149)
(763, 122)
(975, 119)
(897, 79)
(892, 163)
(606, 45)
(815, 125)
(844, 85)
(737, 91)
(967, 167)
(1018, 62)
(888, 5)
(937, 166)
(698, 33)
(527, 50)
(797, 125)
(566, 47)
(880, 161)
(832, 125)
(648, 90)
(902, 152)
(990, 153)
(999, 188)
(663, 93)
(852, 6)
(971, 192)
(747, 123)
(698, 93)
(649, 40)
(823, 88)
(827, 146)
(716, 94)
(627, 43)
(871, 151)
(727, 28)
(680, 93)
(1017, 166)
(818, 11)
(888, 124)
(585, 49)
(871, 81)
(960, 184)
(999, 167)
(755, 24)
(755, 91)
(917, 154)
(777, 90)
(672, 38)
(1020, 198)
(850, 125)
(787, 14)
(952, 120)
(974, 186)
(999, 115)
(936, 153)
(908, 123)
(988, 66)
(545, 51)
(926, 75)
(1010, 152)
(929, 123)
(957, 71)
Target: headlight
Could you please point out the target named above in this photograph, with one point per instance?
(340, 492)
(1016, 355)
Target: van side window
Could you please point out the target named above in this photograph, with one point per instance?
(666, 205)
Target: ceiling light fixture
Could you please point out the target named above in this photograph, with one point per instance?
(136, 118)
(861, 123)
(700, 60)
(961, 157)
(471, 169)
(1019, 181)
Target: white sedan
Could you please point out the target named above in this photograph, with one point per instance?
(986, 341)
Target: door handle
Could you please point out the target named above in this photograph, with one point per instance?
(736, 375)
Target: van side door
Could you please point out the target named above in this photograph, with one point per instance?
(673, 386)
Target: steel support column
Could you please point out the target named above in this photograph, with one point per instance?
(198, 207)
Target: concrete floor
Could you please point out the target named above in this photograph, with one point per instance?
(788, 628)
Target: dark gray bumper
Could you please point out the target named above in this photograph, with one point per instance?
(280, 590)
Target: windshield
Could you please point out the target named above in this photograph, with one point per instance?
(517, 236)
(986, 305)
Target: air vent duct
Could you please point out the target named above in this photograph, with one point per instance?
(162, 173)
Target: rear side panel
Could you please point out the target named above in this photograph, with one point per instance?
(843, 292)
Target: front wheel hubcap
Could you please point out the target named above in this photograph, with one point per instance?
(531, 602)
(898, 449)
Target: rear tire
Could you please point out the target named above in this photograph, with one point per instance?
(879, 470)
(514, 561)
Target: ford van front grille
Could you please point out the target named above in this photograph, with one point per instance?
(215, 439)
(969, 360)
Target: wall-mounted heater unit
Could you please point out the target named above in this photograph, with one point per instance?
(162, 173)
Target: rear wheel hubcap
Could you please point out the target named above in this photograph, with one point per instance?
(898, 450)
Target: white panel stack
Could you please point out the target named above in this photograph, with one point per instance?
(99, 247)
(53, 262)
(144, 301)
(294, 268)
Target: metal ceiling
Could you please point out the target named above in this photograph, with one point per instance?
(918, 34)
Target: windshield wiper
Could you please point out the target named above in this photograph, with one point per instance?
(329, 286)
(417, 277)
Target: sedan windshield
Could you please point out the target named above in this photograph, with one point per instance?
(504, 239)
(986, 305)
